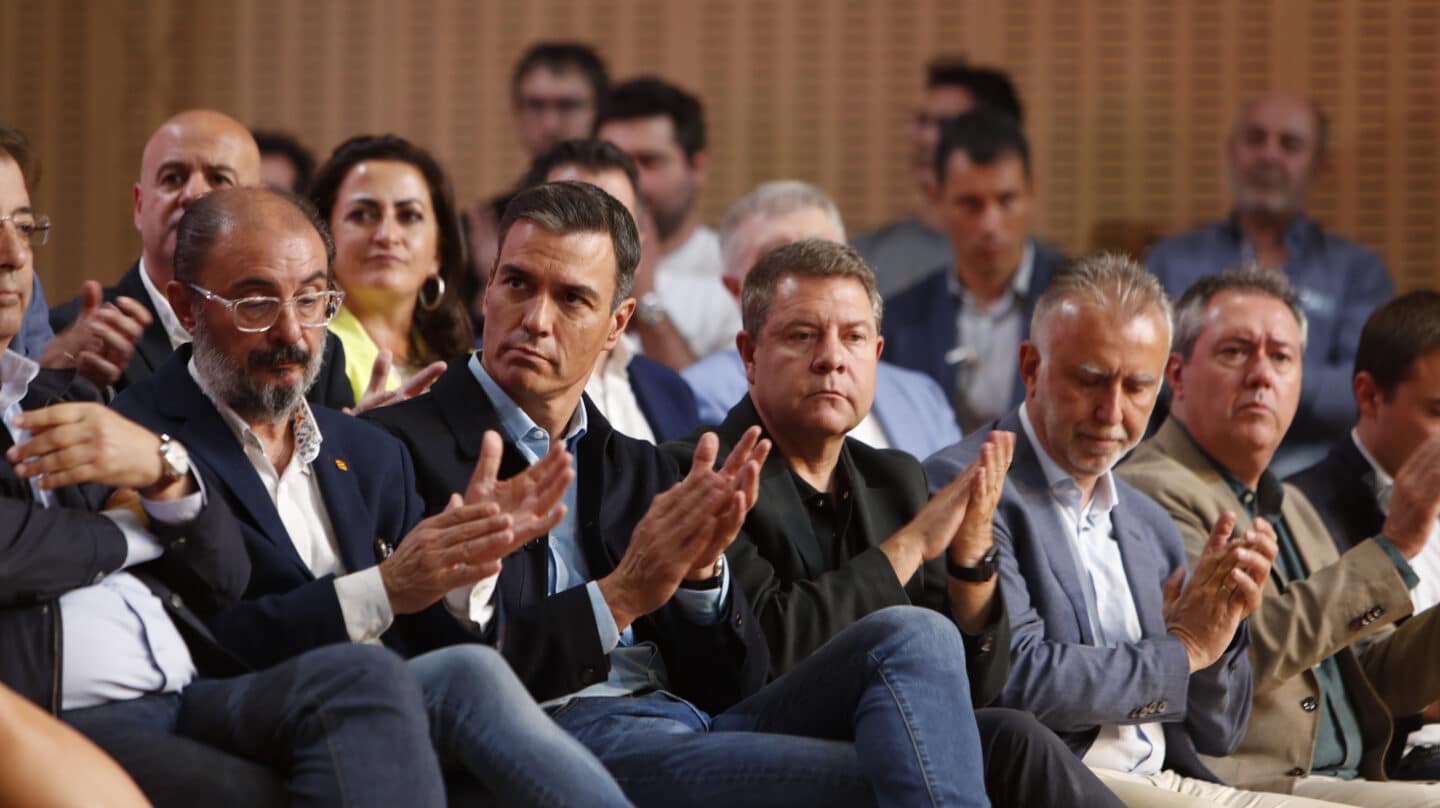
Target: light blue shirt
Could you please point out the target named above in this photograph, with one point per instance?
(118, 643)
(633, 666)
(989, 349)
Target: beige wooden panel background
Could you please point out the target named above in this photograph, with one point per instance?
(1128, 101)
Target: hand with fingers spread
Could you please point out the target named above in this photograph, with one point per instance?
(1204, 611)
(101, 340)
(1415, 500)
(457, 547)
(531, 498)
(377, 396)
(686, 529)
(84, 442)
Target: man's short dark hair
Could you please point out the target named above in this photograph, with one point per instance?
(807, 258)
(1190, 310)
(1397, 334)
(647, 97)
(560, 57)
(211, 218)
(988, 86)
(16, 146)
(986, 136)
(589, 154)
(569, 207)
(288, 146)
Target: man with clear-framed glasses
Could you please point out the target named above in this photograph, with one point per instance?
(328, 506)
(122, 334)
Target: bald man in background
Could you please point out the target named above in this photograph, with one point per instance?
(120, 335)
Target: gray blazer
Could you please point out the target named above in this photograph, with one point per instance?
(1056, 670)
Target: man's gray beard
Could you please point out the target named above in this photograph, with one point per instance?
(226, 380)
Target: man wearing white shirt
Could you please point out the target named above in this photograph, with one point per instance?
(1390, 463)
(327, 504)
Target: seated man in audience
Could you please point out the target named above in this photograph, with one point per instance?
(963, 323)
(626, 619)
(910, 414)
(683, 314)
(285, 163)
(1137, 669)
(123, 334)
(1277, 149)
(637, 395)
(95, 609)
(1392, 454)
(324, 500)
(1330, 670)
(904, 251)
(842, 530)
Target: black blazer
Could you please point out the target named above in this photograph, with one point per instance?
(666, 400)
(331, 389)
(551, 641)
(46, 552)
(366, 481)
(1339, 488)
(800, 603)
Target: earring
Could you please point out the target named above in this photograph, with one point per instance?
(432, 292)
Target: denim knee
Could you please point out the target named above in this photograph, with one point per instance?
(377, 669)
(468, 670)
(899, 626)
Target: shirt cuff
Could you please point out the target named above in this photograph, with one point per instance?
(140, 544)
(604, 620)
(473, 605)
(364, 604)
(1407, 573)
(704, 606)
(177, 511)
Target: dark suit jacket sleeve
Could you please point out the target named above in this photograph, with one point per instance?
(205, 560)
(45, 553)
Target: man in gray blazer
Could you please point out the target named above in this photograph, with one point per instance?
(1138, 669)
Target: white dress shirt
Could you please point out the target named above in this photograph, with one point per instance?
(118, 643)
(611, 392)
(173, 330)
(1109, 603)
(1426, 566)
(687, 281)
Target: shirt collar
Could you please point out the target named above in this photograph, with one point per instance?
(1062, 485)
(1297, 235)
(1268, 497)
(1381, 483)
(307, 432)
(1019, 285)
(173, 330)
(16, 374)
(520, 429)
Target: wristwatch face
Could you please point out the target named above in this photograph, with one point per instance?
(174, 457)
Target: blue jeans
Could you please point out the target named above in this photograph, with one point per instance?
(484, 722)
(880, 714)
(343, 724)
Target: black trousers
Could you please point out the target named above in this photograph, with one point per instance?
(1028, 765)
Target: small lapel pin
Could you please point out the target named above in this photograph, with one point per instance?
(340, 464)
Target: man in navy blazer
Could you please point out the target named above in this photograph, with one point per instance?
(1135, 671)
(1390, 464)
(962, 325)
(327, 506)
(910, 411)
(638, 637)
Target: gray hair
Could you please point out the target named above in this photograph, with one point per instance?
(215, 216)
(775, 198)
(1190, 311)
(569, 207)
(808, 258)
(1110, 281)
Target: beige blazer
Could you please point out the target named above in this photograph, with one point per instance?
(1346, 606)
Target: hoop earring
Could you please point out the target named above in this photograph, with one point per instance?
(429, 300)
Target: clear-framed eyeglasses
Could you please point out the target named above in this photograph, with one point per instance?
(31, 226)
(255, 314)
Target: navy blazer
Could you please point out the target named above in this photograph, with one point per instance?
(665, 399)
(1340, 489)
(551, 640)
(368, 485)
(331, 388)
(1057, 672)
(921, 324)
(46, 552)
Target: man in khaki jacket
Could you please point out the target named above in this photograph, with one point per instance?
(1330, 669)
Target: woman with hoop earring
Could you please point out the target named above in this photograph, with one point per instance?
(399, 256)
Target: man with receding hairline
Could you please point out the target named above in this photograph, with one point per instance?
(123, 334)
(1277, 149)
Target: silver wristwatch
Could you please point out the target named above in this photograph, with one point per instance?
(650, 311)
(174, 460)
